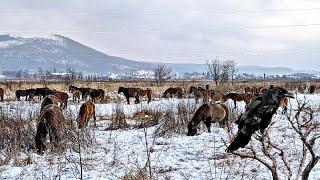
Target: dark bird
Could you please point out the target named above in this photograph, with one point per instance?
(258, 115)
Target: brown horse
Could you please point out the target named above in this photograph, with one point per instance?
(50, 122)
(62, 97)
(28, 93)
(209, 113)
(238, 97)
(130, 92)
(76, 95)
(50, 99)
(216, 96)
(1, 94)
(251, 90)
(147, 93)
(177, 91)
(85, 92)
(97, 94)
(199, 92)
(87, 110)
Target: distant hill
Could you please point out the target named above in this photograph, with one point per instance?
(60, 52)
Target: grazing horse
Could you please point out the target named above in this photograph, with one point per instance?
(43, 92)
(198, 93)
(97, 94)
(87, 110)
(1, 94)
(50, 122)
(147, 92)
(84, 91)
(28, 93)
(76, 95)
(50, 99)
(238, 97)
(209, 113)
(173, 91)
(62, 97)
(130, 92)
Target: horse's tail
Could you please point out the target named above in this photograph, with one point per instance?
(225, 120)
(149, 94)
(81, 117)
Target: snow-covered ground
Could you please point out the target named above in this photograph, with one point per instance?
(118, 153)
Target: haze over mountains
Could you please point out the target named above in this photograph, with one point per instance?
(60, 52)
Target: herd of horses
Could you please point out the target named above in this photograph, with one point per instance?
(213, 110)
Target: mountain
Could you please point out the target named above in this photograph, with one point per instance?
(60, 52)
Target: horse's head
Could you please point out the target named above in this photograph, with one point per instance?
(121, 90)
(71, 88)
(192, 129)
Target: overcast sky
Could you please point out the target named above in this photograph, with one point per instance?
(252, 32)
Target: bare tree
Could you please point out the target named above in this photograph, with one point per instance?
(214, 67)
(221, 71)
(162, 72)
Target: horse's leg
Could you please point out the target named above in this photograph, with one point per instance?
(208, 123)
(128, 99)
(94, 118)
(41, 137)
(235, 104)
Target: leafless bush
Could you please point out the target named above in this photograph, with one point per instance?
(147, 117)
(118, 120)
(176, 122)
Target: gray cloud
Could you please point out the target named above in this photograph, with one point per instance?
(178, 31)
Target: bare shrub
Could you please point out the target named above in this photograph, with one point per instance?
(147, 117)
(173, 123)
(118, 120)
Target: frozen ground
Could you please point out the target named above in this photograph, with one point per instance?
(121, 152)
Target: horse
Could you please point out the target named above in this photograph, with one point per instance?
(130, 92)
(173, 91)
(62, 97)
(87, 110)
(50, 99)
(43, 92)
(84, 91)
(27, 93)
(50, 122)
(1, 94)
(312, 89)
(198, 93)
(76, 95)
(147, 92)
(216, 96)
(238, 97)
(97, 94)
(209, 113)
(251, 90)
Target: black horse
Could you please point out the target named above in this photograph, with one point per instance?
(130, 92)
(43, 92)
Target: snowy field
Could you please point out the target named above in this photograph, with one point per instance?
(121, 153)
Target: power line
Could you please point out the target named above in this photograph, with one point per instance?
(106, 12)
